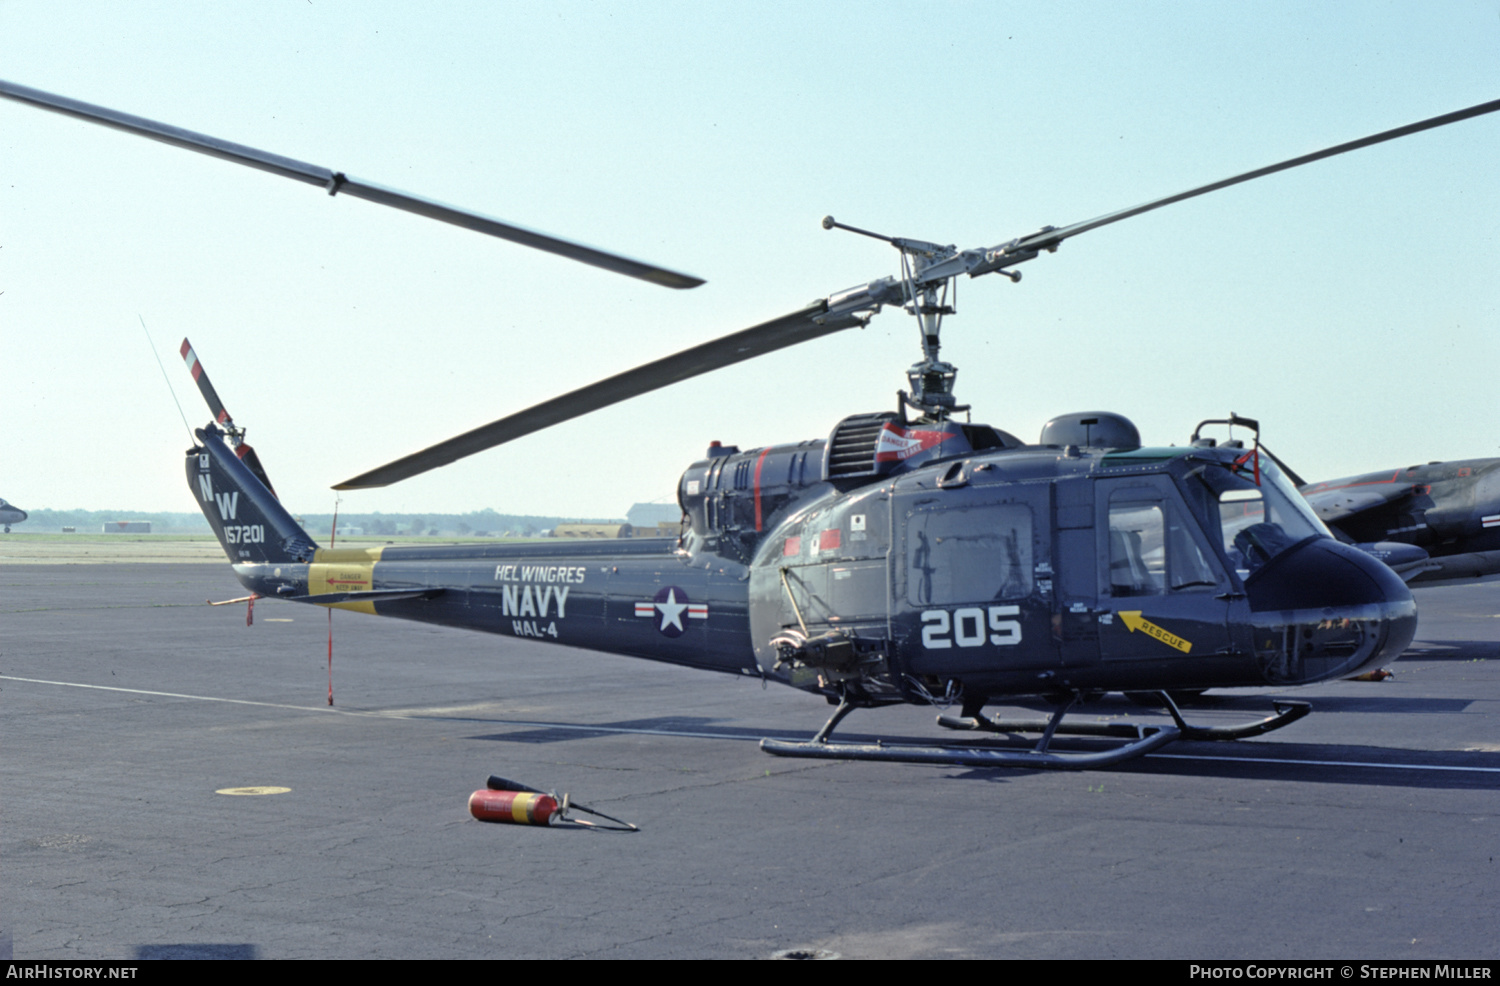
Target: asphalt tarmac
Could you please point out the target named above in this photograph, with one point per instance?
(1368, 830)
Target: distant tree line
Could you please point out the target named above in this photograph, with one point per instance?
(92, 521)
(472, 524)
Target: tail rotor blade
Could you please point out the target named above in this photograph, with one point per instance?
(221, 416)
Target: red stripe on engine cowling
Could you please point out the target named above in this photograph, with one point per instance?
(758, 463)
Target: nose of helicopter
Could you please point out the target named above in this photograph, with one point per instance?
(1327, 610)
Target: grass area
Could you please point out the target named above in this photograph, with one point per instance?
(43, 537)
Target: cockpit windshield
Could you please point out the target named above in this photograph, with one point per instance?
(1257, 521)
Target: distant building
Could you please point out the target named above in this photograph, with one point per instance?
(592, 531)
(654, 515)
(127, 527)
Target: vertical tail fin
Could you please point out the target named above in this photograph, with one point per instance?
(250, 522)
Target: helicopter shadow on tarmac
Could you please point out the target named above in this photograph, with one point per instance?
(1450, 650)
(1317, 763)
(1366, 765)
(1306, 763)
(1313, 763)
(683, 727)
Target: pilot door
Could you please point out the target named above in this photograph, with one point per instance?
(972, 586)
(1162, 592)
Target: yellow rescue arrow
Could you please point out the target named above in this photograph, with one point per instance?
(1133, 620)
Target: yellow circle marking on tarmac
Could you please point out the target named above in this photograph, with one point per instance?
(253, 790)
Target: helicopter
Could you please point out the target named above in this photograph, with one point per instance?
(10, 514)
(905, 557)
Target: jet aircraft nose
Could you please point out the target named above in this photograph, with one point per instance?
(1327, 610)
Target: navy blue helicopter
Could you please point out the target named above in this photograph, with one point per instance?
(906, 557)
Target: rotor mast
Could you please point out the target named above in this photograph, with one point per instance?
(928, 273)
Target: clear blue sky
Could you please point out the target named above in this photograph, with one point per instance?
(1350, 305)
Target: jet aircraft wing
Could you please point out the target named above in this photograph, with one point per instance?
(1337, 504)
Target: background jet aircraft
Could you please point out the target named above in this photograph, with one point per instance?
(10, 515)
(1438, 522)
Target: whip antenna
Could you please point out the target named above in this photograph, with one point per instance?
(164, 376)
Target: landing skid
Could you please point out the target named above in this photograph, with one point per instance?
(1288, 711)
(1140, 739)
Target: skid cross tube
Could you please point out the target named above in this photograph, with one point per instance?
(1143, 740)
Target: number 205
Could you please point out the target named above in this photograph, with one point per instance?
(971, 627)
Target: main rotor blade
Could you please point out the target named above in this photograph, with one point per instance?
(788, 330)
(336, 182)
(1048, 239)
